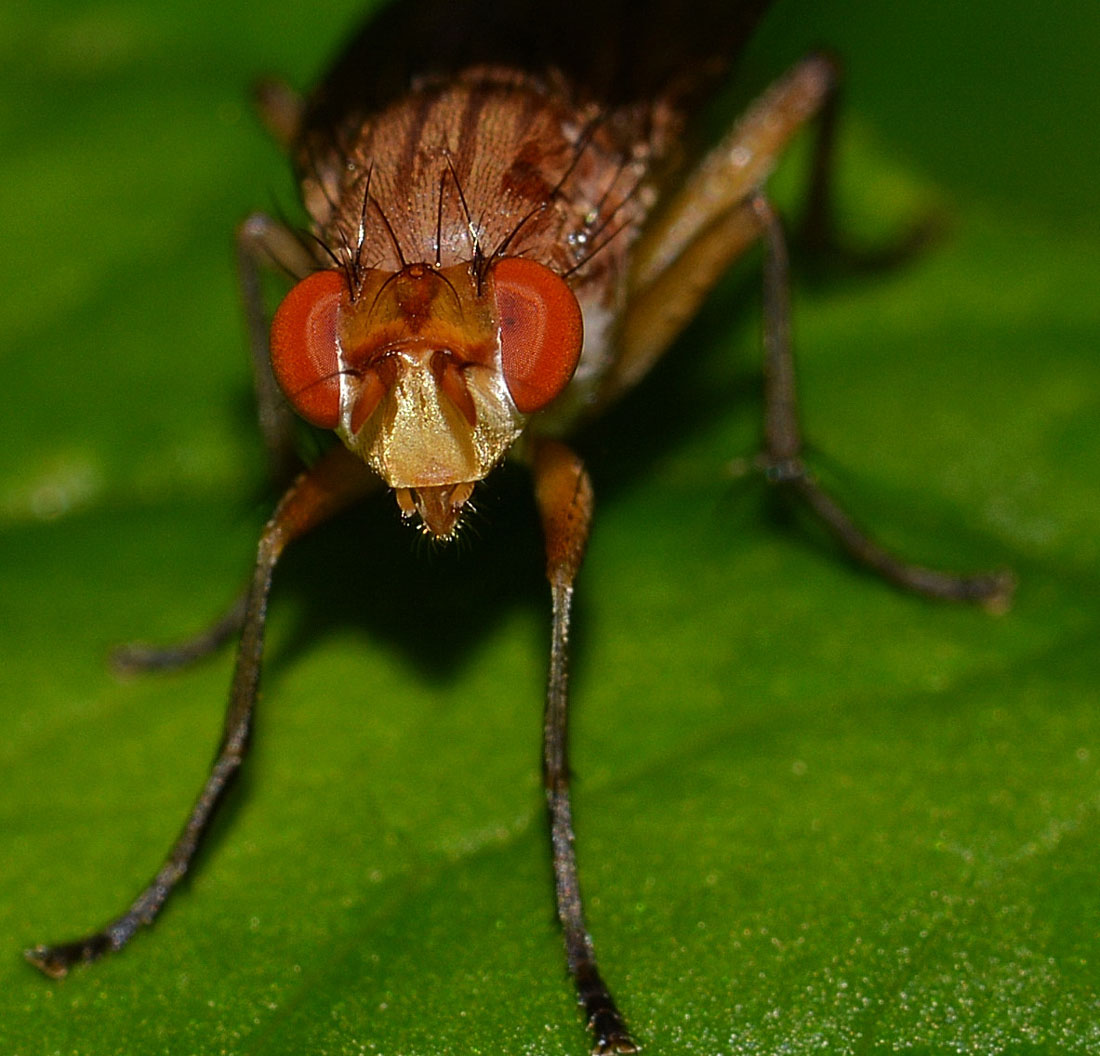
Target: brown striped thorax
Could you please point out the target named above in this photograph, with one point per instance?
(477, 233)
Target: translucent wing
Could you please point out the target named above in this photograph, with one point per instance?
(614, 52)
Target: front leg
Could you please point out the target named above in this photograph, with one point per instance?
(319, 493)
(563, 492)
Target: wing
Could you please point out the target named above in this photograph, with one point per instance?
(614, 52)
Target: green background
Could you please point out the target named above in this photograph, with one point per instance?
(814, 814)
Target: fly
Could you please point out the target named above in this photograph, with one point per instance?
(503, 240)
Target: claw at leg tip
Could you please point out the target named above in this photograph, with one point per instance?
(1000, 598)
(621, 1044)
(42, 959)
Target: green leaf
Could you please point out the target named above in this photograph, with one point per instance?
(813, 813)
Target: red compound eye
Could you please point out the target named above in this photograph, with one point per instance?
(541, 331)
(304, 347)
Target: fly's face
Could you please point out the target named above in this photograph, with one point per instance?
(428, 374)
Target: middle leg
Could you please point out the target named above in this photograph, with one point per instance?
(782, 461)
